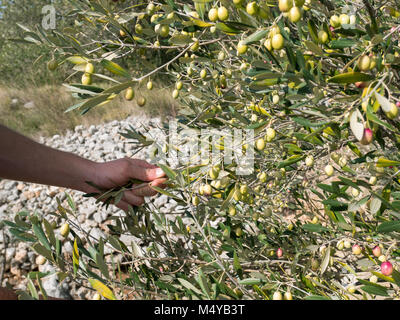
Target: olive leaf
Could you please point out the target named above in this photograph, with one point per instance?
(384, 102)
(350, 77)
(115, 68)
(326, 260)
(102, 289)
(75, 256)
(356, 124)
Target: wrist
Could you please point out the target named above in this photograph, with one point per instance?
(86, 172)
(80, 171)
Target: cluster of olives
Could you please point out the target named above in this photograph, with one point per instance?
(275, 40)
(292, 9)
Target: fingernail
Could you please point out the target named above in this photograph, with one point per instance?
(160, 173)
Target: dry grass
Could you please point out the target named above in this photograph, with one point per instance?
(47, 117)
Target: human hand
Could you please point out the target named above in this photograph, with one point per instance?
(116, 173)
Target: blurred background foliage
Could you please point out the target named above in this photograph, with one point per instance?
(25, 78)
(20, 65)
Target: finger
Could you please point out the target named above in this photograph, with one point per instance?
(160, 183)
(133, 199)
(145, 174)
(143, 164)
(146, 190)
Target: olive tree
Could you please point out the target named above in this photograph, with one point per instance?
(312, 87)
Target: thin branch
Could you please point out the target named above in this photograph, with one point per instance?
(372, 15)
(328, 4)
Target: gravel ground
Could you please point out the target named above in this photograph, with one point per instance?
(97, 143)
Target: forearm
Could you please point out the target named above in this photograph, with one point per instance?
(26, 160)
(6, 294)
(23, 159)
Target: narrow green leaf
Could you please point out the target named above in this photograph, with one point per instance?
(189, 286)
(168, 171)
(236, 264)
(383, 162)
(36, 274)
(180, 39)
(314, 48)
(314, 227)
(250, 281)
(167, 193)
(21, 224)
(256, 36)
(396, 277)
(290, 161)
(115, 243)
(307, 123)
(41, 250)
(312, 28)
(372, 117)
(349, 183)
(102, 266)
(49, 232)
(24, 236)
(228, 199)
(42, 291)
(227, 29)
(342, 43)
(165, 286)
(389, 226)
(115, 68)
(383, 277)
(375, 290)
(350, 77)
(71, 202)
(201, 279)
(37, 229)
(263, 84)
(32, 290)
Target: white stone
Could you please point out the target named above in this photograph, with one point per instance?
(29, 105)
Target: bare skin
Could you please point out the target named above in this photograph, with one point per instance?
(23, 159)
(6, 294)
